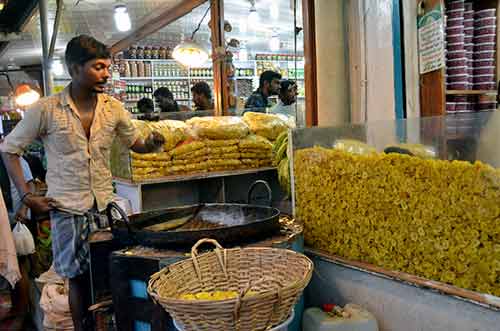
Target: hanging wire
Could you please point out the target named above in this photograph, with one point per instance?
(199, 24)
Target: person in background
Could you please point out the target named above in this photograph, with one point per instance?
(77, 127)
(202, 96)
(269, 84)
(147, 108)
(165, 100)
(287, 99)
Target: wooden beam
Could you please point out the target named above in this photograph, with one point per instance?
(310, 68)
(151, 26)
(221, 87)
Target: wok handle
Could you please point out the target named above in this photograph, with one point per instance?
(218, 248)
(268, 188)
(113, 207)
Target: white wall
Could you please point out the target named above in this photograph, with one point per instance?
(331, 58)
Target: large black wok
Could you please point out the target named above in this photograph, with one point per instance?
(230, 223)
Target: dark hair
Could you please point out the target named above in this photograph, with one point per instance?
(146, 103)
(202, 88)
(268, 76)
(163, 92)
(285, 85)
(84, 48)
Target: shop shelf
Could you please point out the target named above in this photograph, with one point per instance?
(470, 92)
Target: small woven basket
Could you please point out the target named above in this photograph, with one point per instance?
(276, 278)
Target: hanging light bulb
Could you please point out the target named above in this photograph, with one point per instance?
(57, 67)
(122, 18)
(190, 54)
(274, 43)
(253, 16)
(25, 95)
(3, 3)
(274, 11)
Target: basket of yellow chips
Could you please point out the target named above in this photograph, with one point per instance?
(238, 289)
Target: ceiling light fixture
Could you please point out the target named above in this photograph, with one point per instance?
(122, 18)
(190, 53)
(253, 16)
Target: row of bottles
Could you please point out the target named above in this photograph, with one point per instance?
(169, 70)
(179, 88)
(201, 72)
(138, 91)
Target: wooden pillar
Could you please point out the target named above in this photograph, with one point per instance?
(310, 67)
(221, 88)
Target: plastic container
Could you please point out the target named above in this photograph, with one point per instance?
(468, 6)
(463, 78)
(455, 13)
(484, 55)
(455, 22)
(484, 78)
(457, 86)
(451, 71)
(484, 63)
(484, 70)
(468, 39)
(485, 47)
(485, 21)
(455, 46)
(455, 29)
(485, 13)
(458, 98)
(463, 106)
(456, 54)
(469, 32)
(455, 38)
(485, 38)
(485, 30)
(456, 5)
(468, 14)
(486, 106)
(456, 62)
(469, 47)
(485, 86)
(450, 107)
(315, 319)
(468, 23)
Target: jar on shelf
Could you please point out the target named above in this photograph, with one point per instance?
(162, 53)
(140, 53)
(147, 69)
(133, 68)
(147, 53)
(132, 52)
(155, 53)
(140, 68)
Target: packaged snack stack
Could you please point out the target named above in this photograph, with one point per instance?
(484, 49)
(255, 151)
(457, 78)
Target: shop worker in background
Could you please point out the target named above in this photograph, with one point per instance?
(202, 96)
(269, 84)
(146, 108)
(287, 98)
(165, 101)
(77, 127)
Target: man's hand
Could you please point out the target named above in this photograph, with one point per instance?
(39, 204)
(154, 141)
(21, 214)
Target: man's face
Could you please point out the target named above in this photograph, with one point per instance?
(93, 75)
(164, 103)
(198, 99)
(291, 95)
(274, 88)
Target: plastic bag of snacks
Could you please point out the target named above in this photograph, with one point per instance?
(174, 132)
(224, 127)
(255, 142)
(23, 239)
(353, 146)
(266, 125)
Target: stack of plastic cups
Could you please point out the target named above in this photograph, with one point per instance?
(456, 61)
(484, 49)
(468, 39)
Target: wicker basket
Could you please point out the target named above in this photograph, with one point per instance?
(276, 278)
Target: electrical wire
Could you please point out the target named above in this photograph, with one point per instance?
(199, 24)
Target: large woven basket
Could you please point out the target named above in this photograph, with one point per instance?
(276, 278)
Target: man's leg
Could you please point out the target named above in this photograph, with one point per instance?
(79, 301)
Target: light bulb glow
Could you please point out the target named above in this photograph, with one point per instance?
(253, 17)
(25, 95)
(190, 54)
(57, 67)
(274, 43)
(122, 18)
